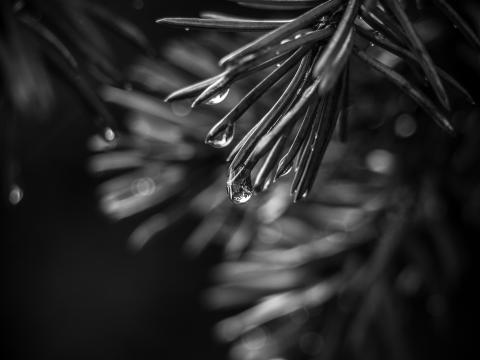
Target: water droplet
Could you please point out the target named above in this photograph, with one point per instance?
(239, 186)
(187, 29)
(222, 138)
(284, 41)
(278, 65)
(18, 5)
(380, 161)
(218, 98)
(144, 186)
(372, 44)
(405, 126)
(16, 194)
(109, 134)
(298, 36)
(255, 339)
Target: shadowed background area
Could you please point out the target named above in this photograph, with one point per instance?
(72, 289)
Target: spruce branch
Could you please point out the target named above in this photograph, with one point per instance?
(330, 32)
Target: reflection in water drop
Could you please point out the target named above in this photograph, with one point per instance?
(239, 186)
(218, 98)
(109, 134)
(16, 195)
(222, 138)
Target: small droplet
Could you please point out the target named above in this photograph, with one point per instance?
(405, 126)
(18, 5)
(298, 36)
(278, 65)
(109, 134)
(223, 138)
(255, 339)
(239, 186)
(144, 186)
(372, 44)
(218, 98)
(284, 41)
(380, 161)
(16, 195)
(187, 29)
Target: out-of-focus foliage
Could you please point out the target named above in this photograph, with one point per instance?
(375, 251)
(42, 42)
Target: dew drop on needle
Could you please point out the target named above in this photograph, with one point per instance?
(15, 195)
(222, 138)
(109, 134)
(218, 98)
(239, 186)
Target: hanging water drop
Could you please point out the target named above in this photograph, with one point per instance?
(239, 186)
(222, 138)
(109, 134)
(218, 98)
(15, 195)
